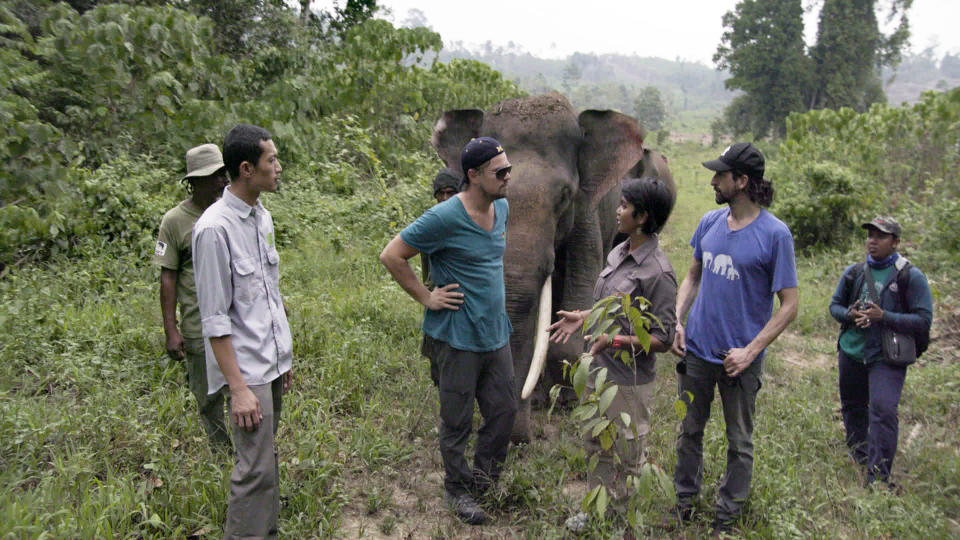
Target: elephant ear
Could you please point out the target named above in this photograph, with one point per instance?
(453, 131)
(654, 164)
(612, 145)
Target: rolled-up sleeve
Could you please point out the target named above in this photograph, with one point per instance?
(211, 263)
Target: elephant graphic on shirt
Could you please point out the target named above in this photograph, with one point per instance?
(721, 264)
(732, 273)
(707, 259)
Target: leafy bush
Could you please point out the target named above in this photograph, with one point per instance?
(821, 204)
(900, 161)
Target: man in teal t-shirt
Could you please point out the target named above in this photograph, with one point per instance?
(466, 319)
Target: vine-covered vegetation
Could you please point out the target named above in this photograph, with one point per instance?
(837, 169)
(99, 108)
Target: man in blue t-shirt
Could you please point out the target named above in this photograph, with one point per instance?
(466, 319)
(742, 257)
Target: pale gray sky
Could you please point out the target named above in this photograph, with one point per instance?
(689, 29)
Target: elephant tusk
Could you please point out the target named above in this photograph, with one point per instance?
(541, 343)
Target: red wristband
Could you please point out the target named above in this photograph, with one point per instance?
(618, 342)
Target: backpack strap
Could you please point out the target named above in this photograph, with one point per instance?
(853, 282)
(903, 266)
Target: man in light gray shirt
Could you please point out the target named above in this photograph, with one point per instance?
(248, 342)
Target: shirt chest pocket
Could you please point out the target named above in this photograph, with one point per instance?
(273, 268)
(601, 283)
(627, 283)
(246, 286)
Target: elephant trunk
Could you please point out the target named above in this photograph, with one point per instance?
(541, 342)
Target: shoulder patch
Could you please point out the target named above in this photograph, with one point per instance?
(161, 249)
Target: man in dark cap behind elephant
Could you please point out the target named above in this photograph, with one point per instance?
(465, 238)
(445, 185)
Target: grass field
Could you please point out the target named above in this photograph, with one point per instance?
(99, 436)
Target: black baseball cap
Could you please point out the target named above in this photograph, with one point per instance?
(479, 151)
(742, 156)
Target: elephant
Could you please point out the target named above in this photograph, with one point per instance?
(563, 194)
(722, 263)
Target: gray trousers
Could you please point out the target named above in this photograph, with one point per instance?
(633, 400)
(738, 396)
(488, 378)
(210, 406)
(254, 503)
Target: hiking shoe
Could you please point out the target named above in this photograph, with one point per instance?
(577, 522)
(677, 517)
(723, 529)
(466, 509)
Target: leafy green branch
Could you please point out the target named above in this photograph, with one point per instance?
(607, 318)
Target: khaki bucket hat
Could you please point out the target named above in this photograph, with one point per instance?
(203, 160)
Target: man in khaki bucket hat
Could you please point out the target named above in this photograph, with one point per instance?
(205, 179)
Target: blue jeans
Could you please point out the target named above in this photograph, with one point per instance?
(869, 397)
(739, 397)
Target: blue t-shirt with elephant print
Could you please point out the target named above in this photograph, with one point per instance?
(741, 272)
(460, 251)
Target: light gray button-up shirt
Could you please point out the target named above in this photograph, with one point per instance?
(236, 267)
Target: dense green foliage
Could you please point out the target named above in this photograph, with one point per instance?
(836, 169)
(99, 438)
(764, 50)
(98, 435)
(80, 91)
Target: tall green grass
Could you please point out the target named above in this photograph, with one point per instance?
(99, 436)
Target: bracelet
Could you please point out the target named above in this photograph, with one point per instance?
(618, 342)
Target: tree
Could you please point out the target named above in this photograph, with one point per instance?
(763, 49)
(571, 74)
(950, 66)
(650, 109)
(851, 51)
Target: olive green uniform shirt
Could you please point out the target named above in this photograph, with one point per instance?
(174, 253)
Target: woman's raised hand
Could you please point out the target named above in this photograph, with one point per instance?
(570, 322)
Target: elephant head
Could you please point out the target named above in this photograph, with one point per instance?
(563, 195)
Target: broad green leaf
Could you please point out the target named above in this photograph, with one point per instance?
(600, 380)
(602, 500)
(600, 426)
(591, 496)
(606, 398)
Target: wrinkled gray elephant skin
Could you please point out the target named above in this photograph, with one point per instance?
(563, 195)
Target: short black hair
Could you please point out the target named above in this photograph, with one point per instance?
(242, 143)
(651, 195)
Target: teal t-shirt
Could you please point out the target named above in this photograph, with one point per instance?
(460, 251)
(854, 339)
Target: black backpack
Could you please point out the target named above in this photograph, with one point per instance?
(854, 281)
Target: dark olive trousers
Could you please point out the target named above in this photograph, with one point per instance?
(486, 377)
(210, 406)
(739, 397)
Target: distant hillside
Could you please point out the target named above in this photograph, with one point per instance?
(919, 73)
(606, 81)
